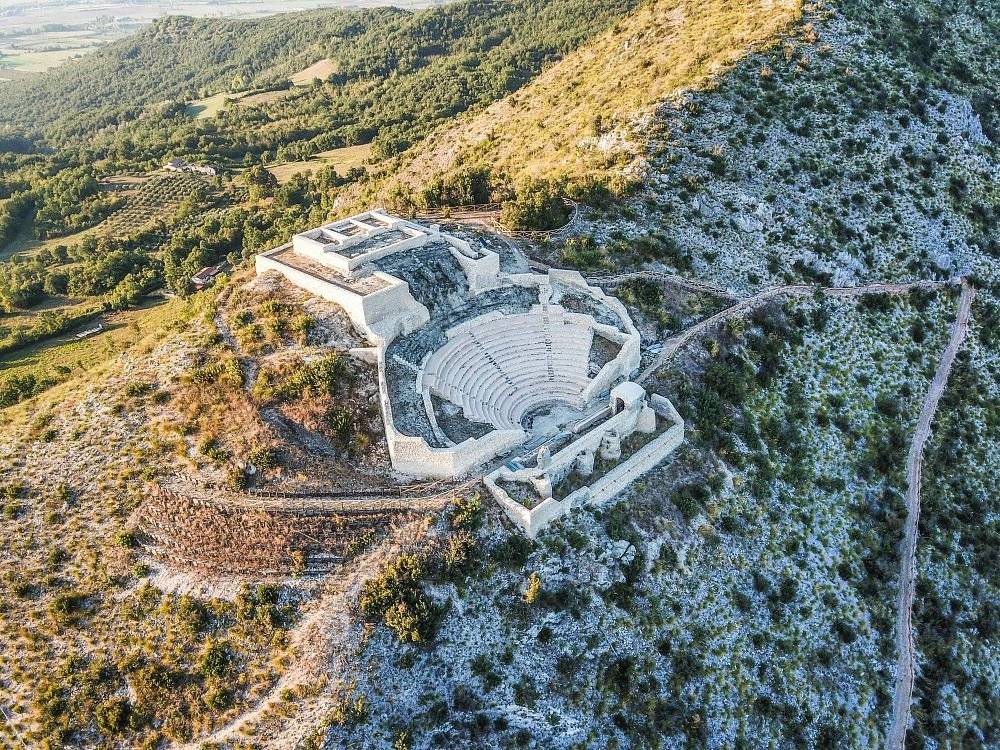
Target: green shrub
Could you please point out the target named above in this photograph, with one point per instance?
(583, 253)
(467, 513)
(135, 390)
(218, 698)
(66, 607)
(125, 538)
(263, 458)
(397, 598)
(112, 716)
(215, 659)
(538, 205)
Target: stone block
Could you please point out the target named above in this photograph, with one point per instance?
(611, 446)
(647, 421)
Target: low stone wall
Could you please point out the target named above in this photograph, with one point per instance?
(531, 521)
(482, 269)
(627, 361)
(627, 473)
(414, 456)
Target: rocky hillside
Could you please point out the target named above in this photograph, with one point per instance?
(743, 595)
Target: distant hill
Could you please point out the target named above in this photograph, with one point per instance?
(443, 59)
(174, 58)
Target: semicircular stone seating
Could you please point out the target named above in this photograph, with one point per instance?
(500, 370)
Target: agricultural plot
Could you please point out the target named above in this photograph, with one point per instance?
(341, 159)
(25, 244)
(37, 51)
(264, 97)
(320, 70)
(210, 106)
(11, 74)
(49, 305)
(158, 198)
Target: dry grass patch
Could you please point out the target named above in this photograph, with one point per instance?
(576, 118)
(320, 70)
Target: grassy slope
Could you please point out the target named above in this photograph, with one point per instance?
(836, 158)
(665, 47)
(66, 354)
(340, 159)
(82, 629)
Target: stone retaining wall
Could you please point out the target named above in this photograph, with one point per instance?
(221, 536)
(387, 312)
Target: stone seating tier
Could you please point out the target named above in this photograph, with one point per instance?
(498, 370)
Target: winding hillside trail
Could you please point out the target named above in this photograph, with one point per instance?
(906, 648)
(748, 304)
(487, 216)
(325, 643)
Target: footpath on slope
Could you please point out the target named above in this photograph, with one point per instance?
(748, 304)
(906, 648)
(325, 643)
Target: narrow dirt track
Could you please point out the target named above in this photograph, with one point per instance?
(905, 646)
(487, 215)
(745, 306)
(325, 643)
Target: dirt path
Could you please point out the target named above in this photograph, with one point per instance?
(692, 285)
(247, 365)
(905, 646)
(326, 642)
(487, 215)
(745, 306)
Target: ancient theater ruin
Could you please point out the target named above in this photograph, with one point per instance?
(487, 368)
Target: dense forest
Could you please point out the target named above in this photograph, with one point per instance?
(396, 75)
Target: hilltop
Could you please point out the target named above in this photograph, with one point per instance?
(798, 205)
(584, 117)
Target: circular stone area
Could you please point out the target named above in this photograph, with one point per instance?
(502, 369)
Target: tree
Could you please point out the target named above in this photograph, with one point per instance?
(260, 182)
(537, 205)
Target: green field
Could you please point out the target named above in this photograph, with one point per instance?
(210, 106)
(38, 52)
(25, 244)
(64, 357)
(341, 159)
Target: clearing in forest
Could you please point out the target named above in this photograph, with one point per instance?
(341, 159)
(320, 70)
(210, 106)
